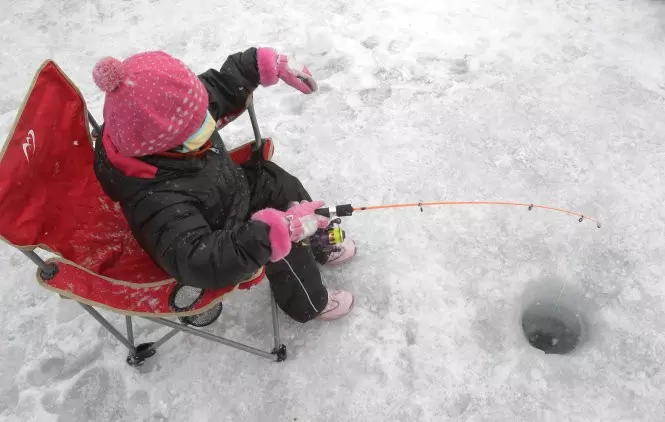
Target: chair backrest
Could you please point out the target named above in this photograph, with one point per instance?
(49, 194)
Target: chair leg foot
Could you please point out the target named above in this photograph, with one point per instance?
(280, 353)
(140, 354)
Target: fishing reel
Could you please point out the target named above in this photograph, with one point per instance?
(332, 235)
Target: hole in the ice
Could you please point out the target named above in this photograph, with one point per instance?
(552, 328)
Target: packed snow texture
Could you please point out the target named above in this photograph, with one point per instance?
(552, 102)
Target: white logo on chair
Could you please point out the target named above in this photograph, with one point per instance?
(29, 142)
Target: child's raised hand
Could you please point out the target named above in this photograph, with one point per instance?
(273, 66)
(300, 80)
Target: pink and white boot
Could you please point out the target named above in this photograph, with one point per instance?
(340, 303)
(341, 253)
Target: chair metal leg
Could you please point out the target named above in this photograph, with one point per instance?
(275, 320)
(48, 271)
(130, 330)
(258, 145)
(279, 350)
(107, 325)
(138, 354)
(166, 338)
(95, 126)
(211, 337)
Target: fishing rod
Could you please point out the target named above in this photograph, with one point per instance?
(334, 234)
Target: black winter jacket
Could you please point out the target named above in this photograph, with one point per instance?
(192, 216)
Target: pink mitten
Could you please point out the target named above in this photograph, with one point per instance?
(303, 222)
(279, 236)
(273, 66)
(296, 224)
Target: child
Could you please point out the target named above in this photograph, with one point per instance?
(205, 220)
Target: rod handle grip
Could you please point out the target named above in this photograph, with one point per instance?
(345, 210)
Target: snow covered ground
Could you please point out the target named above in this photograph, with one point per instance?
(554, 102)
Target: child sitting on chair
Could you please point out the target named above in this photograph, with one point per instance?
(205, 220)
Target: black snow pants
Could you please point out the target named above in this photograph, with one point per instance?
(295, 280)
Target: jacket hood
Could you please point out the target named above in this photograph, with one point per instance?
(123, 177)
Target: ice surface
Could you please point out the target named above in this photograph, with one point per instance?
(554, 102)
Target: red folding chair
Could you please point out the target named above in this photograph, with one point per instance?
(50, 199)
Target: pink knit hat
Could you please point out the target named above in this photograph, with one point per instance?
(154, 102)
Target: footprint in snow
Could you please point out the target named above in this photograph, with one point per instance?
(397, 47)
(390, 75)
(59, 366)
(459, 66)
(375, 96)
(139, 403)
(411, 333)
(50, 403)
(97, 395)
(370, 43)
(46, 370)
(333, 66)
(9, 397)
